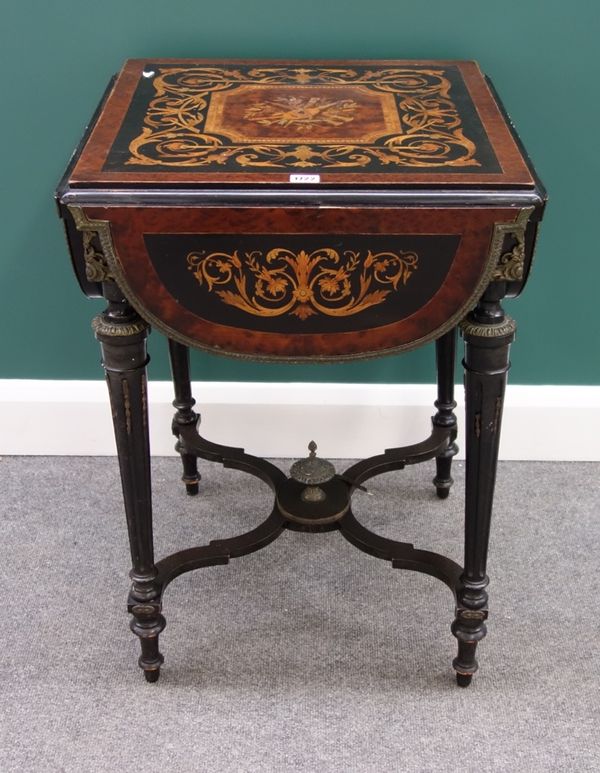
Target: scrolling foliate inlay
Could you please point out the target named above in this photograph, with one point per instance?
(280, 117)
(303, 284)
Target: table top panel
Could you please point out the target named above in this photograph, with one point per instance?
(176, 123)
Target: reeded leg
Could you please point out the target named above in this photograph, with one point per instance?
(445, 348)
(184, 402)
(122, 335)
(488, 335)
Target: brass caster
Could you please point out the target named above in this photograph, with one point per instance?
(463, 680)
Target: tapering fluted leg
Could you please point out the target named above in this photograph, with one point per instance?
(488, 335)
(445, 348)
(184, 402)
(122, 336)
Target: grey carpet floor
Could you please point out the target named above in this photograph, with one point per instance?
(308, 655)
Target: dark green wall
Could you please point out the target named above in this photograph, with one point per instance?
(59, 55)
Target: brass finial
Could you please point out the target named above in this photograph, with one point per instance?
(312, 470)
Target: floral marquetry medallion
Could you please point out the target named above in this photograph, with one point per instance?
(271, 113)
(302, 111)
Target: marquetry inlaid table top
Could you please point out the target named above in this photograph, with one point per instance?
(185, 122)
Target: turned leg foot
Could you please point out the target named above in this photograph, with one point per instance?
(147, 623)
(469, 628)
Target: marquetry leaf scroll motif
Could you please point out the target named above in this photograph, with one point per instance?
(302, 284)
(174, 132)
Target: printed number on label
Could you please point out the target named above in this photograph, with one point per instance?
(305, 178)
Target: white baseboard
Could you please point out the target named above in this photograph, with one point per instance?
(278, 420)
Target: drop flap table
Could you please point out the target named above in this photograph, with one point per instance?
(304, 211)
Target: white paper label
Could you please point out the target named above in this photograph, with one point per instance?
(305, 178)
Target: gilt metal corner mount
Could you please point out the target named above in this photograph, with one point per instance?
(510, 265)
